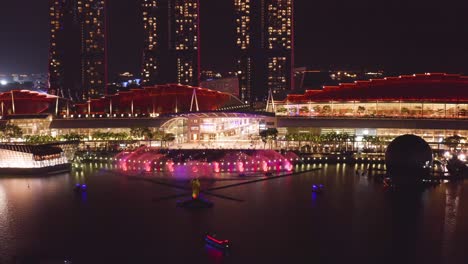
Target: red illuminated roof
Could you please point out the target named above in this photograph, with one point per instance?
(26, 102)
(430, 87)
(158, 99)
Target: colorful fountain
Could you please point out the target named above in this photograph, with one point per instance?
(203, 163)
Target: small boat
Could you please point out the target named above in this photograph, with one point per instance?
(387, 182)
(268, 174)
(242, 175)
(317, 188)
(80, 187)
(217, 243)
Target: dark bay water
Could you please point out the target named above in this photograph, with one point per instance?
(122, 220)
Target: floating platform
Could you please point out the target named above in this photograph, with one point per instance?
(197, 203)
(44, 171)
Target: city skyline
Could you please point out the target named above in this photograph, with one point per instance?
(424, 38)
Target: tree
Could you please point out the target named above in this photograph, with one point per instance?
(11, 131)
(72, 137)
(304, 110)
(361, 110)
(268, 136)
(326, 109)
(405, 111)
(281, 109)
(453, 141)
(169, 137)
(317, 109)
(140, 132)
(39, 139)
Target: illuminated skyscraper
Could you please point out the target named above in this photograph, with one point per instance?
(152, 22)
(77, 56)
(171, 50)
(265, 41)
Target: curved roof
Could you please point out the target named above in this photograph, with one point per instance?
(436, 87)
(159, 99)
(26, 102)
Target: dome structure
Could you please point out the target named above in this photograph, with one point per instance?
(408, 159)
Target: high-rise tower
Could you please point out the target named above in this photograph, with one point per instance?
(265, 41)
(77, 56)
(172, 41)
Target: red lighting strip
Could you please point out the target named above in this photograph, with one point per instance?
(215, 240)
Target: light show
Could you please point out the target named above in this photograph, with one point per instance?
(188, 164)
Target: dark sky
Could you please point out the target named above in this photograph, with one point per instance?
(397, 36)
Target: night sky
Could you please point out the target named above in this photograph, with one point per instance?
(396, 36)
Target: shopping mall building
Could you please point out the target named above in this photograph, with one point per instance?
(433, 106)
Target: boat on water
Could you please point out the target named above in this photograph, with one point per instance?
(217, 243)
(317, 188)
(80, 187)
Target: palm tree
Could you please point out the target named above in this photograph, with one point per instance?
(453, 142)
(169, 137)
(268, 136)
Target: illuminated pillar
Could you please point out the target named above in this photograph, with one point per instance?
(89, 106)
(400, 108)
(2, 109)
(194, 99)
(68, 109)
(131, 108)
(270, 102)
(56, 106)
(13, 103)
(110, 107)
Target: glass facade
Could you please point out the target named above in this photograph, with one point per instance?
(373, 109)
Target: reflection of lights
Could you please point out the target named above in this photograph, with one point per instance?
(462, 157)
(3, 207)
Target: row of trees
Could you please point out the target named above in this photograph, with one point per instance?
(11, 131)
(339, 141)
(343, 140)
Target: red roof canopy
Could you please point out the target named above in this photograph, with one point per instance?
(434, 87)
(159, 99)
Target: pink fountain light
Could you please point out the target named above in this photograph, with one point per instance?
(187, 164)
